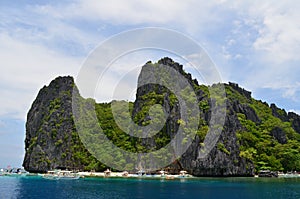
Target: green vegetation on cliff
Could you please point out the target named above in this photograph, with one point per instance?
(265, 136)
(269, 142)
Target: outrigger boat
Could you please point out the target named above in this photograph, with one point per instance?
(15, 172)
(61, 175)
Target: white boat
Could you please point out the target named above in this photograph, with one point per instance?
(68, 175)
(15, 172)
(51, 175)
(61, 175)
(289, 175)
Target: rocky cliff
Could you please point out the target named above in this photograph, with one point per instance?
(224, 159)
(51, 137)
(254, 135)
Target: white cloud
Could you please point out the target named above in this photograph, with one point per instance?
(252, 31)
(279, 36)
(34, 24)
(131, 12)
(2, 127)
(119, 80)
(292, 91)
(25, 68)
(255, 43)
(264, 53)
(189, 16)
(273, 28)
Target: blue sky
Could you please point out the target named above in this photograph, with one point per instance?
(255, 43)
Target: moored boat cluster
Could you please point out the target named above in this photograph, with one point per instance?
(276, 174)
(59, 174)
(13, 172)
(138, 174)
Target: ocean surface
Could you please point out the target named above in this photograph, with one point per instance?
(123, 188)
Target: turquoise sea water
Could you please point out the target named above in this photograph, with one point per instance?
(36, 187)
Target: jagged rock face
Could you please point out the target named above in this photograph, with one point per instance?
(279, 113)
(173, 110)
(245, 109)
(52, 141)
(284, 116)
(295, 121)
(244, 92)
(224, 159)
(49, 128)
(279, 135)
(219, 162)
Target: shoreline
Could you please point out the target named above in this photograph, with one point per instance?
(161, 175)
(171, 176)
(118, 175)
(127, 175)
